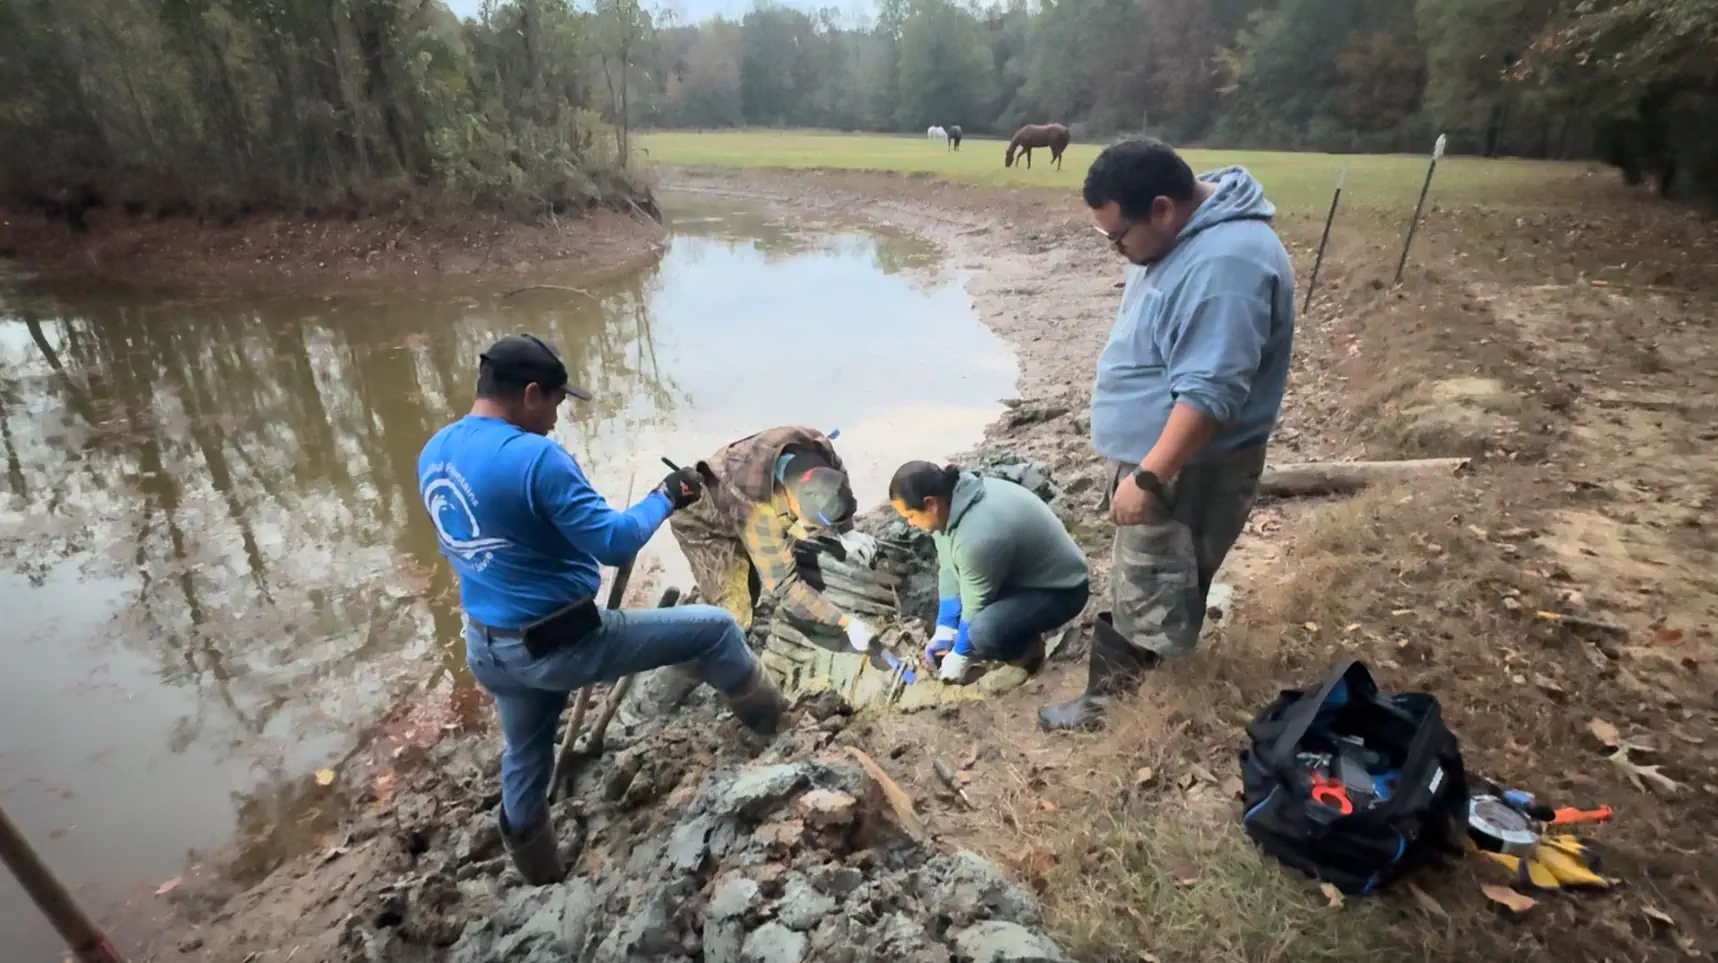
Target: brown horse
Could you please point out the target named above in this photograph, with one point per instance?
(1053, 136)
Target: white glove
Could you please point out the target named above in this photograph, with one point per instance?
(944, 633)
(953, 670)
(859, 634)
(861, 548)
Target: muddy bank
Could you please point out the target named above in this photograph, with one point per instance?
(1129, 840)
(277, 251)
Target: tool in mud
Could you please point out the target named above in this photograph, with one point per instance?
(88, 943)
(945, 772)
(564, 757)
(593, 743)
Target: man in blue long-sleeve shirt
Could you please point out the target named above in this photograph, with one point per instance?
(525, 532)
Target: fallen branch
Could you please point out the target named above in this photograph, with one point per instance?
(551, 287)
(1592, 625)
(1348, 477)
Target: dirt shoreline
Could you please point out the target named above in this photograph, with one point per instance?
(1495, 347)
(279, 252)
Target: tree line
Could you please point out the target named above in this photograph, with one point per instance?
(345, 106)
(224, 107)
(1628, 81)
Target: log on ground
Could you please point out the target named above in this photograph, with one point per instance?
(1347, 477)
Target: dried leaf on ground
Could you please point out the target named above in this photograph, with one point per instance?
(1201, 773)
(1144, 776)
(1426, 902)
(1641, 775)
(1331, 893)
(1507, 898)
(1667, 637)
(1232, 787)
(169, 886)
(325, 777)
(1606, 733)
(1661, 916)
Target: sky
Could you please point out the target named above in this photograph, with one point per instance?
(692, 11)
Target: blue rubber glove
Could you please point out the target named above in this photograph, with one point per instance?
(948, 612)
(963, 640)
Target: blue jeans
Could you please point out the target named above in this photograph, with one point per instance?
(1005, 627)
(530, 693)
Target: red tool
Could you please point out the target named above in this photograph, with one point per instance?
(1331, 792)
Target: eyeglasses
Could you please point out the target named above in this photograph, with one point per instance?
(1118, 236)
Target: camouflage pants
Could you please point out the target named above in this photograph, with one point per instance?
(720, 565)
(1162, 570)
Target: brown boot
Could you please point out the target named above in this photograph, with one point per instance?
(534, 851)
(1116, 669)
(758, 703)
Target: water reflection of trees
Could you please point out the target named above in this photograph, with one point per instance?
(247, 474)
(777, 239)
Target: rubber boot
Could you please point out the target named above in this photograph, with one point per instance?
(534, 851)
(758, 704)
(1115, 669)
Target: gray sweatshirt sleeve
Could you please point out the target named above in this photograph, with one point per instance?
(1221, 324)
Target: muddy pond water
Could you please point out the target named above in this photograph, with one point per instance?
(216, 576)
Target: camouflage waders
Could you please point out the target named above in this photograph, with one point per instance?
(1162, 570)
(720, 566)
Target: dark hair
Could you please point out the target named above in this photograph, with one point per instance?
(1136, 171)
(491, 385)
(918, 480)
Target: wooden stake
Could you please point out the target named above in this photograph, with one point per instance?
(87, 942)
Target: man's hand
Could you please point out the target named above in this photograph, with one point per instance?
(941, 642)
(859, 634)
(683, 487)
(1133, 505)
(953, 671)
(861, 548)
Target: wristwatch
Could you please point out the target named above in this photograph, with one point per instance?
(1148, 482)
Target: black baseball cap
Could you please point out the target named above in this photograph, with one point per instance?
(524, 359)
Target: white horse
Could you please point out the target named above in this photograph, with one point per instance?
(936, 133)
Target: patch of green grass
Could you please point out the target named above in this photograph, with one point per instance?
(1297, 183)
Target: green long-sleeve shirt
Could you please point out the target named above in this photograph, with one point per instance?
(1002, 538)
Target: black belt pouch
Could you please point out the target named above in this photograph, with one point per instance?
(564, 629)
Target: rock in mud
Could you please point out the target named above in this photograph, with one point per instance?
(967, 888)
(997, 941)
(735, 897)
(543, 925)
(802, 907)
(773, 943)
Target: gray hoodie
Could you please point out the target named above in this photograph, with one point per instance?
(1002, 538)
(1211, 325)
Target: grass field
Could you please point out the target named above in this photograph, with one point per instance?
(1297, 183)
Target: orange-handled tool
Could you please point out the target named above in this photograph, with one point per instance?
(1569, 814)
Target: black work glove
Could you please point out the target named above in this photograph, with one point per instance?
(683, 487)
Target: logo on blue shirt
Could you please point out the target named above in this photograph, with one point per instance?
(451, 501)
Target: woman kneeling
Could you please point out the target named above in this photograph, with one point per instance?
(1008, 572)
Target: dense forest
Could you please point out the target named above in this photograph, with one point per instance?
(1634, 82)
(323, 106)
(226, 106)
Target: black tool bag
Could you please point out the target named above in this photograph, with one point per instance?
(1414, 813)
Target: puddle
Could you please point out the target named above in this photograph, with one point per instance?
(216, 571)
